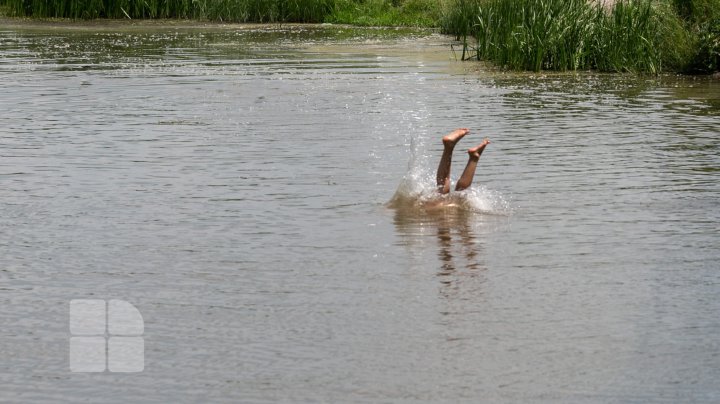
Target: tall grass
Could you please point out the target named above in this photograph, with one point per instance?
(219, 10)
(359, 12)
(702, 20)
(628, 39)
(460, 18)
(417, 13)
(632, 35)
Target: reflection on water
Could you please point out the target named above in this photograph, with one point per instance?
(232, 185)
(457, 242)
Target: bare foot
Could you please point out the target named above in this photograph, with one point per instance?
(476, 151)
(453, 137)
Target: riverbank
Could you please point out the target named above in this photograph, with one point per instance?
(409, 13)
(340, 32)
(638, 36)
(118, 25)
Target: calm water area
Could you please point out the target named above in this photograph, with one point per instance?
(232, 184)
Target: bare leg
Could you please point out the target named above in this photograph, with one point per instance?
(443, 171)
(467, 175)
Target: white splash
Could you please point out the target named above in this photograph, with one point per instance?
(417, 190)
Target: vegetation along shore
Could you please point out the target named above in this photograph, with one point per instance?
(644, 36)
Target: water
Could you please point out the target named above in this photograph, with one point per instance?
(231, 184)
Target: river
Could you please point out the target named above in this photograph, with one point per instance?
(231, 183)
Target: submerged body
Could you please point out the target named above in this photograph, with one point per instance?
(440, 202)
(442, 198)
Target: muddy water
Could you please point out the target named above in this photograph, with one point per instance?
(231, 184)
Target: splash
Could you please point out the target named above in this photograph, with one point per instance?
(417, 191)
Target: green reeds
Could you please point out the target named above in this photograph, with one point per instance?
(702, 19)
(631, 36)
(217, 10)
(535, 34)
(460, 18)
(628, 39)
(359, 12)
(417, 13)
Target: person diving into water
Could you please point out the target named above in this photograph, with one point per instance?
(443, 171)
(406, 197)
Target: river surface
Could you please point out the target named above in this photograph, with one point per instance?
(232, 183)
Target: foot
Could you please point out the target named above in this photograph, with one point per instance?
(453, 137)
(476, 151)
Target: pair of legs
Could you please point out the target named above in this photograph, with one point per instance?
(443, 172)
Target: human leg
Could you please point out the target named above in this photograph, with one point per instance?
(469, 172)
(443, 171)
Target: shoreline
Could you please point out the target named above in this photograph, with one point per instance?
(135, 25)
(105, 24)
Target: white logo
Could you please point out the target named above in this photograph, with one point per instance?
(101, 336)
